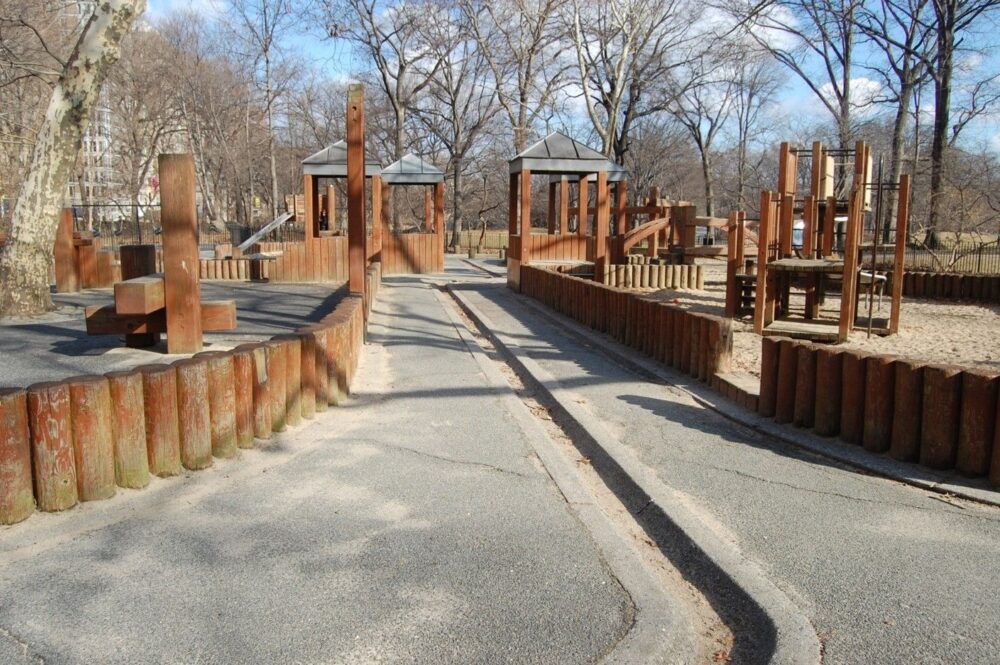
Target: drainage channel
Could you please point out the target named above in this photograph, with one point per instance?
(716, 638)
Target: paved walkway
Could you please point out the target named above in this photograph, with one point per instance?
(413, 524)
(887, 573)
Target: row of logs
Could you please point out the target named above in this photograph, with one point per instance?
(654, 276)
(77, 440)
(697, 344)
(940, 416)
(947, 286)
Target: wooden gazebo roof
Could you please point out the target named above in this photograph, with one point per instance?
(558, 153)
(412, 170)
(331, 162)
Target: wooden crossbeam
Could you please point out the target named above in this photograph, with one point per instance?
(141, 295)
(216, 316)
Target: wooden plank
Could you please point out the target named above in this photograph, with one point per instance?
(763, 238)
(848, 288)
(563, 206)
(140, 295)
(582, 219)
(179, 221)
(356, 187)
(87, 262)
(66, 268)
(525, 186)
(104, 320)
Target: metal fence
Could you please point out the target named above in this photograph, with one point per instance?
(969, 257)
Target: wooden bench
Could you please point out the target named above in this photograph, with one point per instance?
(139, 312)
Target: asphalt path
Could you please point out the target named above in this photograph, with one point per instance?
(56, 345)
(886, 572)
(411, 524)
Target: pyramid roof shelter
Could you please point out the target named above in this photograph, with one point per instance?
(331, 162)
(616, 173)
(412, 170)
(558, 153)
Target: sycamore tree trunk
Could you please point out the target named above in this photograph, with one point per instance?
(27, 256)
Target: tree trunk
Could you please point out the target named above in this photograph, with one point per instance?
(25, 260)
(270, 136)
(456, 203)
(896, 158)
(942, 103)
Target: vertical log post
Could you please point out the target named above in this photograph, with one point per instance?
(17, 500)
(128, 429)
(159, 401)
(356, 232)
(179, 220)
(52, 453)
(194, 416)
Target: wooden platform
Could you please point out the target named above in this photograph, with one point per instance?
(807, 265)
(821, 330)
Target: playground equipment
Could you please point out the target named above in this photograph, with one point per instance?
(841, 190)
(146, 304)
(412, 252)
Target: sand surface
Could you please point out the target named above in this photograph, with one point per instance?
(954, 333)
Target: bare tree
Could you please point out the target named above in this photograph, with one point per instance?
(754, 82)
(461, 104)
(520, 42)
(25, 259)
(394, 37)
(262, 24)
(626, 53)
(702, 109)
(816, 41)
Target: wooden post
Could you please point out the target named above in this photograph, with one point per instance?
(849, 285)
(563, 206)
(179, 220)
(525, 217)
(829, 221)
(601, 223)
(763, 240)
(52, 446)
(128, 428)
(732, 265)
(331, 207)
(138, 261)
(582, 215)
(356, 188)
(621, 199)
(17, 501)
(194, 415)
(512, 205)
(377, 199)
(66, 268)
(902, 224)
(551, 216)
(311, 213)
(159, 399)
(439, 223)
(428, 211)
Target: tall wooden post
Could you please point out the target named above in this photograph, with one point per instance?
(602, 219)
(621, 198)
(763, 240)
(310, 192)
(582, 216)
(551, 217)
(428, 211)
(331, 207)
(376, 247)
(902, 229)
(439, 222)
(67, 272)
(179, 221)
(849, 285)
(525, 217)
(563, 206)
(512, 207)
(732, 264)
(356, 231)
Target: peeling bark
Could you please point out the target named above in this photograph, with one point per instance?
(27, 256)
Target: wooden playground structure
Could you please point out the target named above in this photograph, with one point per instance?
(590, 228)
(841, 189)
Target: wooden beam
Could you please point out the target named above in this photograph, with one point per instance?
(214, 316)
(763, 239)
(849, 285)
(140, 295)
(732, 264)
(376, 248)
(551, 216)
(512, 205)
(356, 231)
(582, 218)
(902, 230)
(621, 199)
(601, 223)
(179, 221)
(829, 221)
(428, 211)
(311, 213)
(331, 208)
(66, 267)
(563, 206)
(525, 253)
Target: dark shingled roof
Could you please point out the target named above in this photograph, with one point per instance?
(331, 162)
(558, 153)
(412, 170)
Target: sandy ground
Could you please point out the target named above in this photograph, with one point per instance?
(955, 333)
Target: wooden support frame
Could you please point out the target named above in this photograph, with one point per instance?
(551, 215)
(356, 231)
(763, 240)
(428, 210)
(583, 210)
(563, 206)
(375, 250)
(524, 252)
(179, 220)
(849, 285)
(601, 222)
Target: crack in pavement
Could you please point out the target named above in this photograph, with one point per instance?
(439, 458)
(26, 653)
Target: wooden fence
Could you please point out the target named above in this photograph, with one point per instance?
(412, 253)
